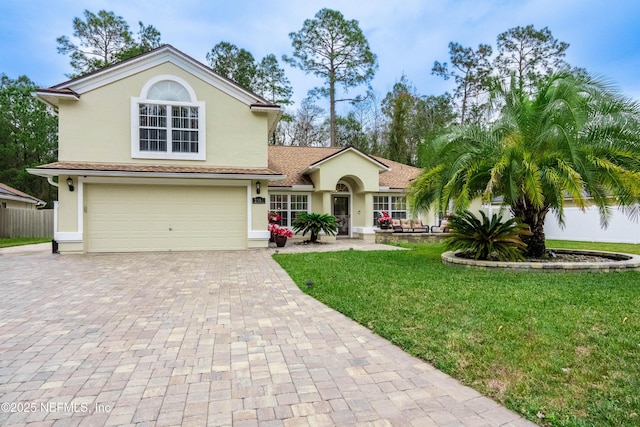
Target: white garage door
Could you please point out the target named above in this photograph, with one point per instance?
(128, 218)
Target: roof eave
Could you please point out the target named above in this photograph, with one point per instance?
(16, 198)
(53, 98)
(274, 113)
(144, 174)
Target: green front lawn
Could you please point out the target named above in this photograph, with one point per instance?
(562, 349)
(19, 241)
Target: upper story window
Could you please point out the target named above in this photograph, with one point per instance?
(168, 122)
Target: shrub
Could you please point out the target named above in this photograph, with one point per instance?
(484, 238)
(315, 223)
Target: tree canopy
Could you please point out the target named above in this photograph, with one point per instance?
(103, 39)
(234, 63)
(28, 137)
(575, 137)
(530, 54)
(335, 49)
(470, 69)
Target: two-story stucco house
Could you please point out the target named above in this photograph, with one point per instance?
(159, 153)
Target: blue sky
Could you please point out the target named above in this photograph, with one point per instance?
(407, 36)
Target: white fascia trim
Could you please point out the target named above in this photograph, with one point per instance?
(17, 198)
(266, 109)
(258, 235)
(392, 190)
(53, 99)
(189, 175)
(298, 188)
(164, 181)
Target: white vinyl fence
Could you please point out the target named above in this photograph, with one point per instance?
(585, 226)
(26, 222)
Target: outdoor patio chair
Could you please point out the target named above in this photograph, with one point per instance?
(418, 227)
(406, 225)
(442, 228)
(395, 224)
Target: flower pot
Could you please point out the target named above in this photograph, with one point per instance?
(280, 241)
(384, 226)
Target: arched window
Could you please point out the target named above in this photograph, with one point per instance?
(167, 121)
(341, 187)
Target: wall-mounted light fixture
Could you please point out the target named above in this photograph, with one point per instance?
(70, 184)
(257, 187)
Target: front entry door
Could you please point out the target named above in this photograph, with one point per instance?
(341, 212)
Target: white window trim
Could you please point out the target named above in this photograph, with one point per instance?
(289, 194)
(388, 203)
(136, 153)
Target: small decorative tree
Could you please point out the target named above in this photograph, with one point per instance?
(485, 238)
(315, 223)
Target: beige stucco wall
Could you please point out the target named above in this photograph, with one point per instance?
(348, 164)
(68, 206)
(97, 128)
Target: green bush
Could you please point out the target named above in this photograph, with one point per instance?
(315, 223)
(484, 238)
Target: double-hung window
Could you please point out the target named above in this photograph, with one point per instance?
(168, 121)
(288, 206)
(396, 206)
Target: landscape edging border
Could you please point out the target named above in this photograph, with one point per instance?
(624, 262)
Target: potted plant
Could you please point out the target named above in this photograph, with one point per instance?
(274, 218)
(280, 234)
(384, 221)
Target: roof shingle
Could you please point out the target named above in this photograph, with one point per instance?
(293, 161)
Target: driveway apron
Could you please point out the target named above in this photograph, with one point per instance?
(202, 339)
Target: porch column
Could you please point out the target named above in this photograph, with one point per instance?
(326, 203)
(368, 210)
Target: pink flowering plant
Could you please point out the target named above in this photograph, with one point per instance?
(279, 231)
(385, 219)
(274, 217)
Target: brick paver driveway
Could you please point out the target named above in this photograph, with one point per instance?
(196, 339)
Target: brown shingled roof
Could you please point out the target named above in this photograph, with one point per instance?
(293, 161)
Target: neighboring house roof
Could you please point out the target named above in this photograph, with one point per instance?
(131, 169)
(294, 162)
(10, 193)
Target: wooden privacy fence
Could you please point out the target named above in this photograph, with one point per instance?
(26, 223)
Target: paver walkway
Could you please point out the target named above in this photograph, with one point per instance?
(202, 339)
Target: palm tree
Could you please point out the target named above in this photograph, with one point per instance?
(574, 138)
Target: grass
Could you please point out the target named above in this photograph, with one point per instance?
(19, 241)
(561, 349)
